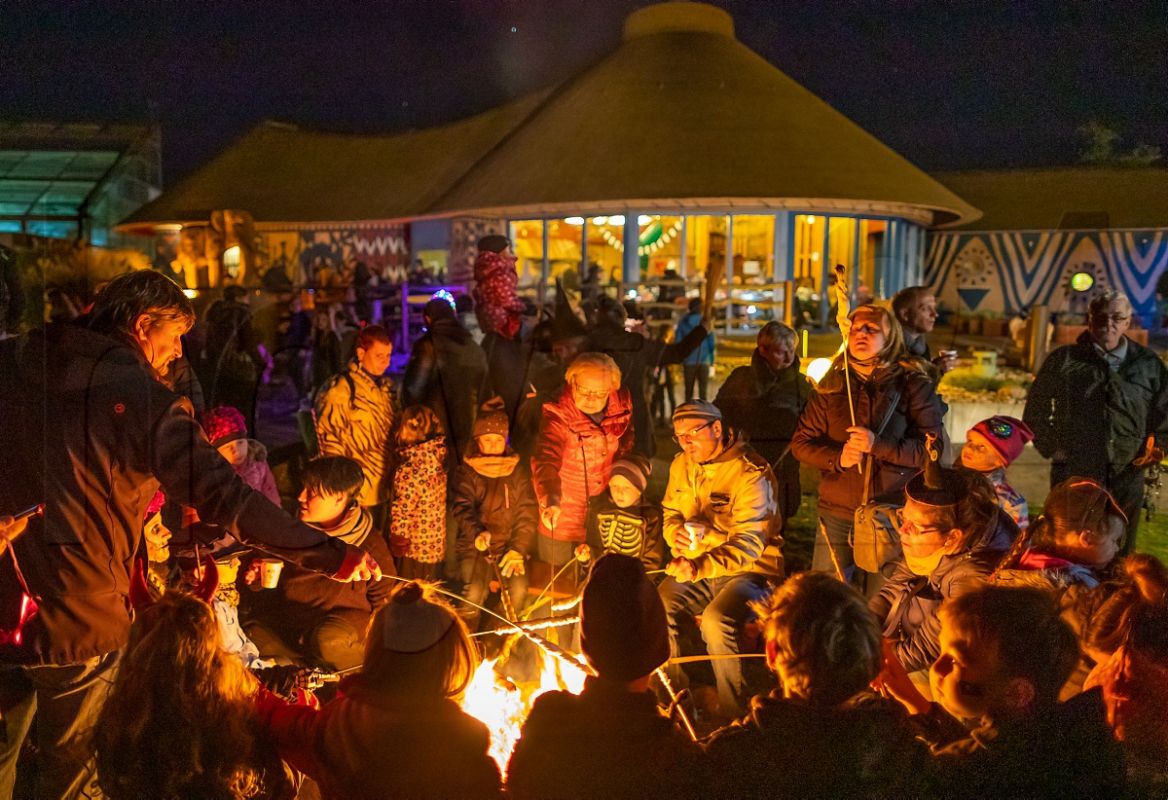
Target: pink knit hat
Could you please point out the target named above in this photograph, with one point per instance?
(1007, 435)
(224, 424)
(155, 505)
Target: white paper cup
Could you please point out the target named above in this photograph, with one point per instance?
(696, 532)
(270, 572)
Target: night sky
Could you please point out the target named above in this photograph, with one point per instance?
(950, 85)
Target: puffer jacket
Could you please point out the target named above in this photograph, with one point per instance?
(494, 494)
(574, 455)
(105, 436)
(864, 747)
(899, 452)
(736, 495)
(354, 418)
(1124, 407)
(907, 605)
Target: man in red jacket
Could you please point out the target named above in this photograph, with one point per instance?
(92, 433)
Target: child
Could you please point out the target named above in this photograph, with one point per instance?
(992, 445)
(611, 741)
(1005, 653)
(157, 537)
(417, 524)
(621, 520)
(180, 719)
(498, 307)
(494, 509)
(822, 733)
(227, 431)
(1128, 638)
(309, 618)
(395, 729)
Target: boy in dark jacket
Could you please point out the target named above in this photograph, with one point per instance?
(621, 520)
(308, 618)
(611, 740)
(1005, 653)
(494, 508)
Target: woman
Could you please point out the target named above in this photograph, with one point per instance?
(866, 421)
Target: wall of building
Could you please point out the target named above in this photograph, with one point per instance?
(1004, 272)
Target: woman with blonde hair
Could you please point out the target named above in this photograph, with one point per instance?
(395, 729)
(865, 426)
(180, 721)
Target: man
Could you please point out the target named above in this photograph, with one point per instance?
(763, 402)
(580, 436)
(446, 372)
(231, 362)
(355, 413)
(722, 525)
(916, 309)
(92, 433)
(1099, 407)
(696, 366)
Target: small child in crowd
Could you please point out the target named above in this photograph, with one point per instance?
(498, 306)
(157, 537)
(417, 523)
(180, 720)
(395, 728)
(1005, 653)
(621, 520)
(610, 741)
(309, 618)
(227, 431)
(992, 445)
(495, 511)
(822, 733)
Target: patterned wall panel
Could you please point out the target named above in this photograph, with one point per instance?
(1006, 271)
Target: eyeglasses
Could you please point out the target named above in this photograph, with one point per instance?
(689, 436)
(586, 394)
(1099, 316)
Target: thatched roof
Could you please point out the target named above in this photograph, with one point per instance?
(681, 115)
(1067, 197)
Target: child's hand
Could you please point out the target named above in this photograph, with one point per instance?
(893, 681)
(681, 570)
(511, 564)
(482, 542)
(253, 572)
(583, 553)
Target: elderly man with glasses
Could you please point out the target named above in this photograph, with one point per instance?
(1099, 407)
(580, 436)
(721, 522)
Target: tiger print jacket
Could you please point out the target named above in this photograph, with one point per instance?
(354, 418)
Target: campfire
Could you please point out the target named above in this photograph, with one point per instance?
(503, 705)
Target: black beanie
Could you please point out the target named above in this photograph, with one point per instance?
(493, 243)
(622, 620)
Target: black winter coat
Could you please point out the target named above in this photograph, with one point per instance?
(1075, 386)
(633, 531)
(503, 504)
(899, 452)
(93, 438)
(908, 603)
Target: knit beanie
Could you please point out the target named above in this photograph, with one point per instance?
(155, 505)
(492, 418)
(622, 620)
(697, 409)
(224, 424)
(412, 623)
(493, 243)
(1006, 435)
(635, 469)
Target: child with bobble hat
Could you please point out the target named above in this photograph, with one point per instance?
(992, 445)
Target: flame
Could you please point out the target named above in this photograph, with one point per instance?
(503, 706)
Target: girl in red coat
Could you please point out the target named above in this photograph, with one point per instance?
(395, 730)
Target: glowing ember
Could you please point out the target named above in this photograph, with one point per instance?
(503, 706)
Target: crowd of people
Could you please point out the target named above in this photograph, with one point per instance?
(163, 619)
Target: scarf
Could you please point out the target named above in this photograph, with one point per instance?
(493, 466)
(352, 528)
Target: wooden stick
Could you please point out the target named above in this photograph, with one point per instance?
(839, 572)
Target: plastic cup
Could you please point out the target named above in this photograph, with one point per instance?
(270, 572)
(696, 532)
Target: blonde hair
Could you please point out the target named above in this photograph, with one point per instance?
(179, 721)
(443, 670)
(418, 424)
(587, 362)
(894, 347)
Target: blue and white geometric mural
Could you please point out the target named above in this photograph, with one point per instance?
(1006, 271)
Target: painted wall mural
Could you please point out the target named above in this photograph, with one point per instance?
(303, 253)
(1006, 271)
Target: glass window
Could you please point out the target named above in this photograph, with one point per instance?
(527, 243)
(565, 238)
(808, 246)
(705, 242)
(753, 248)
(606, 246)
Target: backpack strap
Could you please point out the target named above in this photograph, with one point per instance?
(870, 461)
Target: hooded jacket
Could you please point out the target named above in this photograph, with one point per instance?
(907, 605)
(354, 418)
(574, 455)
(1125, 407)
(93, 439)
(899, 452)
(494, 494)
(735, 494)
(861, 748)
